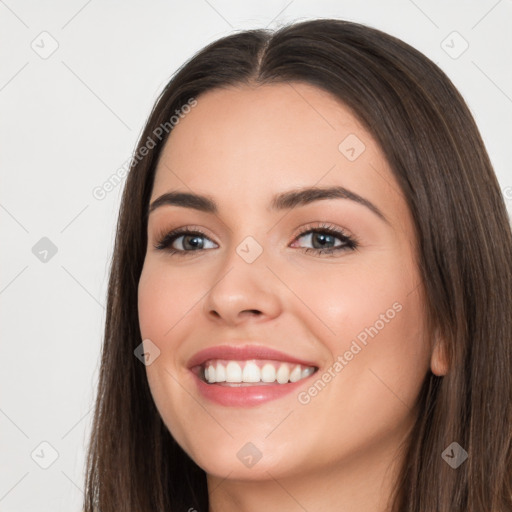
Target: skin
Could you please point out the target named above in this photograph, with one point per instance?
(341, 450)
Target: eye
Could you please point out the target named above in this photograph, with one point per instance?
(323, 236)
(192, 240)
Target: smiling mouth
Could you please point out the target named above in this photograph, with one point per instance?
(253, 372)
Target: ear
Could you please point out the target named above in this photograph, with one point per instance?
(439, 361)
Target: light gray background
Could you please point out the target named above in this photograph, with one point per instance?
(69, 120)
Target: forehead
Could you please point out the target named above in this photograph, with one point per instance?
(248, 143)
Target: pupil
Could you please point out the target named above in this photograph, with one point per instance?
(323, 237)
(193, 241)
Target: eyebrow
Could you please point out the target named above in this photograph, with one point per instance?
(283, 201)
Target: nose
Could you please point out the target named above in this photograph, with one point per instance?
(243, 292)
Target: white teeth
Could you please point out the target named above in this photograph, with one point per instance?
(211, 374)
(268, 373)
(220, 374)
(283, 374)
(295, 374)
(233, 372)
(252, 372)
(306, 372)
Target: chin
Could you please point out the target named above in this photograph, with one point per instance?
(244, 460)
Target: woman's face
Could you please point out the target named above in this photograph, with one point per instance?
(354, 315)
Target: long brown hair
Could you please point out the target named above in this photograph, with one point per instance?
(464, 241)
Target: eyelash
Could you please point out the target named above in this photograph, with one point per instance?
(349, 242)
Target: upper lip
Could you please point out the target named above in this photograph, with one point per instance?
(243, 353)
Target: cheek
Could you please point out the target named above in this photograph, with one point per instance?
(164, 299)
(345, 299)
(379, 364)
(162, 307)
(371, 316)
(151, 299)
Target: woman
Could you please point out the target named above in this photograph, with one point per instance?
(248, 363)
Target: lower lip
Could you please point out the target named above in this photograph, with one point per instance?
(246, 396)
